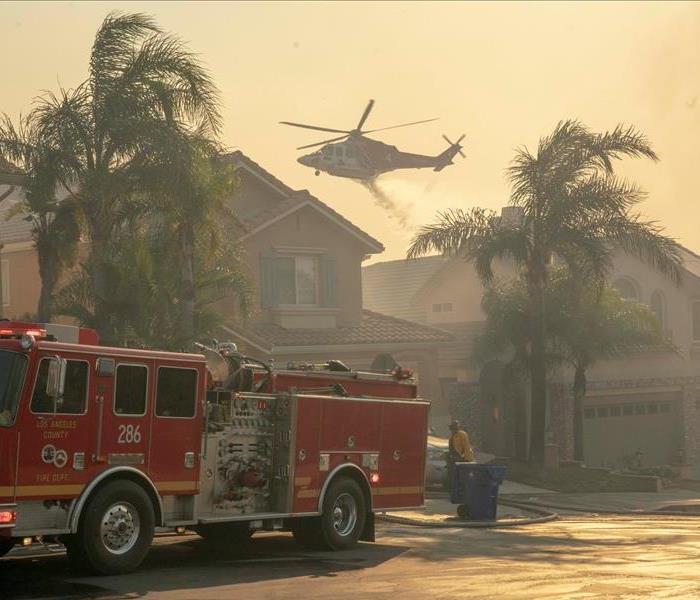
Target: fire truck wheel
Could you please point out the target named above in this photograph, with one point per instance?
(116, 528)
(343, 515)
(5, 546)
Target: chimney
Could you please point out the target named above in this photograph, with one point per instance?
(512, 215)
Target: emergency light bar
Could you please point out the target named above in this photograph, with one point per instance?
(51, 332)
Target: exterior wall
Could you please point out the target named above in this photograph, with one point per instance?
(457, 283)
(253, 196)
(304, 229)
(24, 282)
(677, 310)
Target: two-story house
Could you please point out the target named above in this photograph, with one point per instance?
(304, 260)
(648, 402)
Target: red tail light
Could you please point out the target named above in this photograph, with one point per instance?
(8, 517)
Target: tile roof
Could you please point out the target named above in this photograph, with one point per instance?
(374, 328)
(9, 173)
(390, 287)
(691, 261)
(16, 229)
(294, 199)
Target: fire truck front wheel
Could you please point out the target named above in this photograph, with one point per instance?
(116, 528)
(343, 515)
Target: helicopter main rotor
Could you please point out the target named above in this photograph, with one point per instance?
(349, 132)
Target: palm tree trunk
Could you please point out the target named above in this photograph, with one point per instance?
(579, 395)
(538, 375)
(48, 272)
(187, 272)
(98, 269)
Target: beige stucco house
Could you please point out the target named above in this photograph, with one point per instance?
(648, 403)
(305, 262)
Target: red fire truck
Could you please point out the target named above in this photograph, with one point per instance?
(100, 446)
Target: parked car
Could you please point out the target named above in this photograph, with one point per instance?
(436, 461)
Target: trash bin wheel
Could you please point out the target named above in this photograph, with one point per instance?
(463, 511)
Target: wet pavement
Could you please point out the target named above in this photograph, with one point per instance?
(576, 557)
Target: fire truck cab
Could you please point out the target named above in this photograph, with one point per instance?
(101, 446)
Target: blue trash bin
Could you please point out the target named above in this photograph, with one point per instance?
(476, 486)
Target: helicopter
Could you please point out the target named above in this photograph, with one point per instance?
(355, 156)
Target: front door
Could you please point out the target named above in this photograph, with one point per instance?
(177, 425)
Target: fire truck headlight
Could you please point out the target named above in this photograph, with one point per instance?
(26, 342)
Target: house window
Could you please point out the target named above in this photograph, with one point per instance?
(442, 307)
(657, 307)
(627, 289)
(5, 272)
(297, 280)
(696, 321)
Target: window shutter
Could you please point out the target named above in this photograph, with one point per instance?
(329, 296)
(267, 280)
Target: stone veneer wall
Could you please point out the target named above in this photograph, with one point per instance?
(463, 402)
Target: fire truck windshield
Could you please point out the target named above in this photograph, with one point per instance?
(13, 367)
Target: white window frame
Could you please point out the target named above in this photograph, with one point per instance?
(315, 258)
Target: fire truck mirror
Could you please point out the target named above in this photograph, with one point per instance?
(56, 379)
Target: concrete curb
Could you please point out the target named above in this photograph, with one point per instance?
(545, 517)
(603, 511)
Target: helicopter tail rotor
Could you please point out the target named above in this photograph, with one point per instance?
(456, 144)
(445, 159)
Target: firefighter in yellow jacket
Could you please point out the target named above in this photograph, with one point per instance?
(460, 448)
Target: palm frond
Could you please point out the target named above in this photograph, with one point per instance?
(453, 232)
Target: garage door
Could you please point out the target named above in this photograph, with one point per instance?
(632, 430)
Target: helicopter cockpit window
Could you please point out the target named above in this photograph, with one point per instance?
(327, 150)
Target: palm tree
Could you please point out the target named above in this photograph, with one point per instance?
(584, 326)
(55, 230)
(573, 208)
(190, 191)
(141, 84)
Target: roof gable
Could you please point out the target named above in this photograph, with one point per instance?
(289, 202)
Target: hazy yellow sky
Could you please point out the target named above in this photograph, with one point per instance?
(502, 73)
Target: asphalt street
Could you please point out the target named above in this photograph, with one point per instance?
(576, 557)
